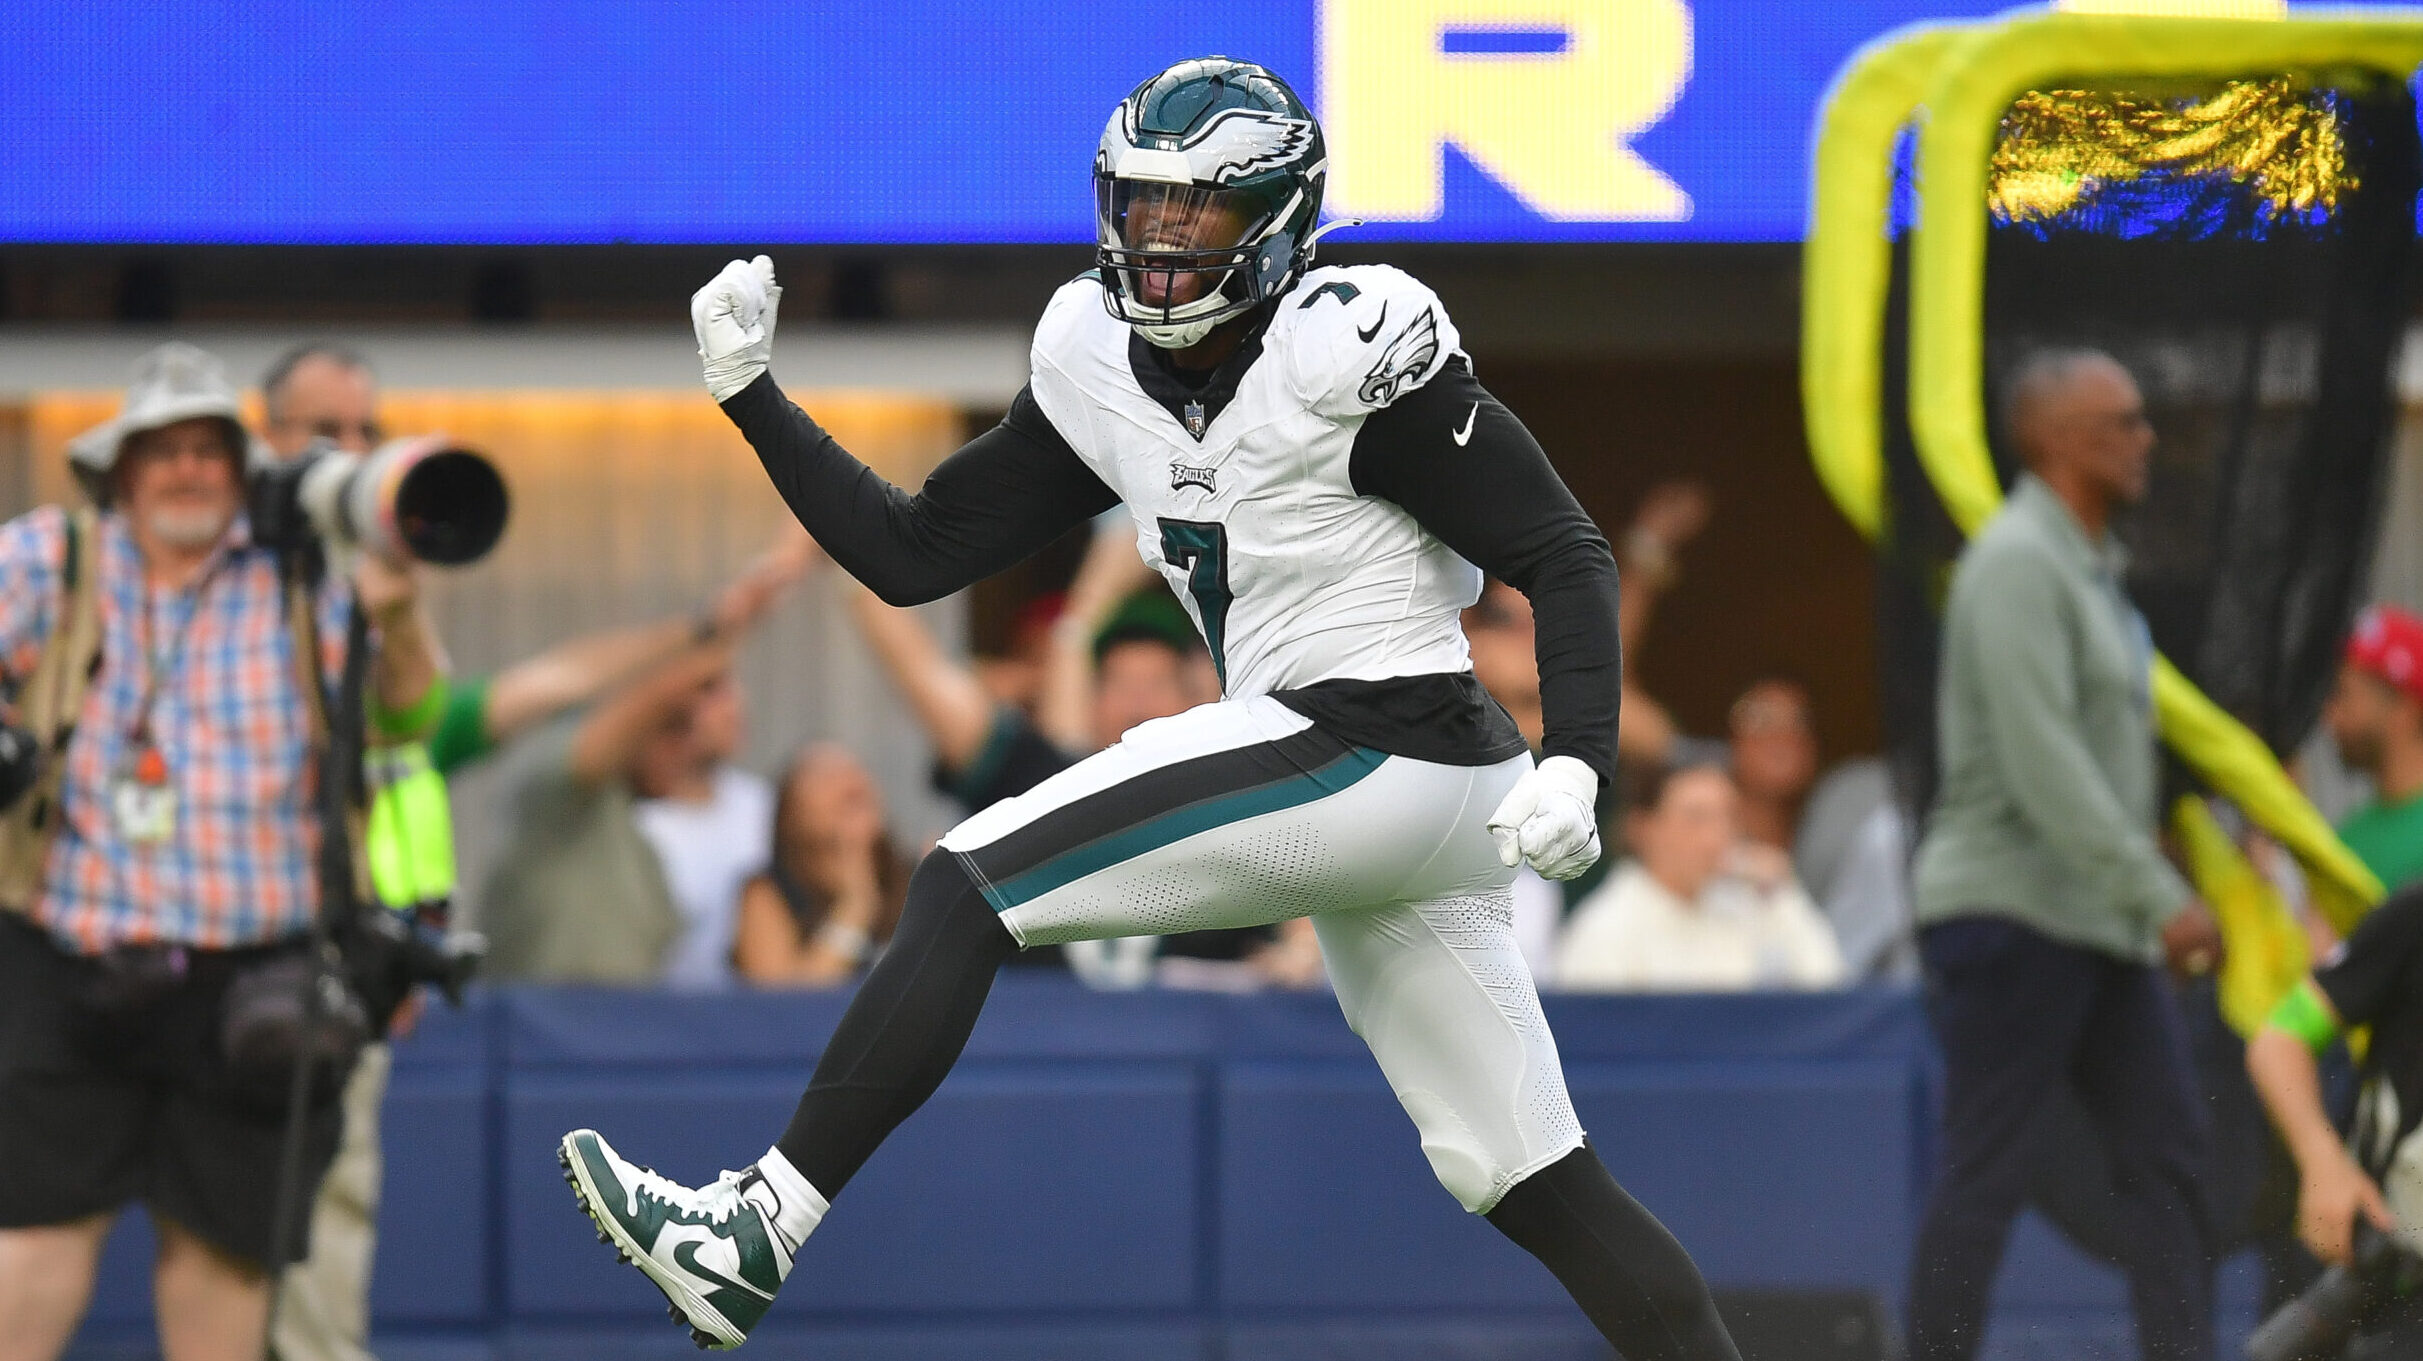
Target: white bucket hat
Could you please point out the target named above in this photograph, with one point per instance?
(176, 382)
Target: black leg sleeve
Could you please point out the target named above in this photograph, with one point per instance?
(1628, 1274)
(904, 1029)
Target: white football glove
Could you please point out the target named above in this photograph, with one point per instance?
(734, 317)
(1550, 818)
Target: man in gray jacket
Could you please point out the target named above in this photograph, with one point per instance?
(2045, 906)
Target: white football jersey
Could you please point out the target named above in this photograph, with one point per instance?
(1245, 506)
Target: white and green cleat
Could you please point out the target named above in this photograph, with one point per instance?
(715, 1251)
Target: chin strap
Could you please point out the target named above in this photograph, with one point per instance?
(1177, 337)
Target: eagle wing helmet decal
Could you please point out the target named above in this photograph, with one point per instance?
(1241, 142)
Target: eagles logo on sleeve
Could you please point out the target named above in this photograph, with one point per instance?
(1404, 363)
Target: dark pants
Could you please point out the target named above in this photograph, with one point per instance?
(2252, 1191)
(114, 1088)
(2019, 1016)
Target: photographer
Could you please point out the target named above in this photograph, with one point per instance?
(171, 862)
(325, 393)
(2373, 1183)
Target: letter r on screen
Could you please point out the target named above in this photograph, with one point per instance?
(1543, 95)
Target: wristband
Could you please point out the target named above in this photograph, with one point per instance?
(2304, 1014)
(1647, 554)
(849, 942)
(414, 719)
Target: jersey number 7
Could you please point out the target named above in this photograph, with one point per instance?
(1202, 549)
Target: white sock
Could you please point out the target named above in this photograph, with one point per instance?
(798, 1208)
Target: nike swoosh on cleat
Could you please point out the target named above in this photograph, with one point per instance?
(1464, 436)
(685, 1254)
(1376, 323)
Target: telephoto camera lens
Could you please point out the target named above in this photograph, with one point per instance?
(417, 499)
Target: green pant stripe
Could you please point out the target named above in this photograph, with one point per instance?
(1178, 824)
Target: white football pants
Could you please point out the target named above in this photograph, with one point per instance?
(1242, 813)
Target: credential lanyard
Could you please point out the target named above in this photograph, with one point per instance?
(160, 668)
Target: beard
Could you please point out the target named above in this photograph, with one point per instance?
(2359, 749)
(188, 527)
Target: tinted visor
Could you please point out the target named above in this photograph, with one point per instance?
(1171, 245)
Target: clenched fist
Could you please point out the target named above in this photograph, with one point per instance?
(1550, 818)
(734, 317)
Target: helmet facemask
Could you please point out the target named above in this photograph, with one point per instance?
(1207, 185)
(1179, 259)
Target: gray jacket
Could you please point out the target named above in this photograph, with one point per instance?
(2047, 810)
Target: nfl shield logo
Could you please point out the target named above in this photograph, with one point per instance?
(1194, 419)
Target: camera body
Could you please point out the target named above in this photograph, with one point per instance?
(389, 952)
(2319, 1324)
(417, 498)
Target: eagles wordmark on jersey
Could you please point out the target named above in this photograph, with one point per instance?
(1316, 473)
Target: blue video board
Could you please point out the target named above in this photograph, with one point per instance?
(747, 121)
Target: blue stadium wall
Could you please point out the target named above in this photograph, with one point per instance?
(1149, 1175)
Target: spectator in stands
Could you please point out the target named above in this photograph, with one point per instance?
(1852, 854)
(1699, 907)
(1648, 559)
(710, 823)
(1498, 626)
(1772, 740)
(581, 893)
(2375, 717)
(1847, 837)
(827, 901)
(2043, 895)
(1014, 677)
(483, 715)
(173, 863)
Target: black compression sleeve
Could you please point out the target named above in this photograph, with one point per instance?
(904, 1028)
(1007, 493)
(1492, 496)
(1622, 1266)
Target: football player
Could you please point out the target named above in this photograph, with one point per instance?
(1312, 466)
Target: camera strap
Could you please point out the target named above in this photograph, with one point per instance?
(336, 746)
(48, 705)
(342, 789)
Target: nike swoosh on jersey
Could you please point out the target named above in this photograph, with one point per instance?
(1376, 323)
(685, 1253)
(1464, 436)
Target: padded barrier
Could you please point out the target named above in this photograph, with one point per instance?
(1164, 1175)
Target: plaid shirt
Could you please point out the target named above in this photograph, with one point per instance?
(238, 868)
